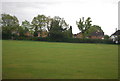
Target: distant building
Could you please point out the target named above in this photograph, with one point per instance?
(78, 35)
(116, 36)
(28, 34)
(93, 35)
(96, 35)
(44, 34)
(15, 33)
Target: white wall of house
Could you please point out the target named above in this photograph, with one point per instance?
(114, 38)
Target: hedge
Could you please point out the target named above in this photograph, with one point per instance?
(69, 40)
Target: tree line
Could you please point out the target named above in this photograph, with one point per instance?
(56, 27)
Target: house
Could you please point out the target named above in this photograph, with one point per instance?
(93, 35)
(18, 34)
(96, 35)
(44, 34)
(115, 37)
(78, 35)
(28, 34)
(15, 33)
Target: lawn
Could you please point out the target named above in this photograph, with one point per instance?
(50, 60)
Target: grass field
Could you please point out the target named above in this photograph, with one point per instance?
(44, 60)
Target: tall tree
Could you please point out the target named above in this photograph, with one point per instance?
(68, 32)
(106, 36)
(57, 28)
(38, 23)
(84, 25)
(92, 29)
(27, 26)
(9, 25)
(21, 31)
(48, 22)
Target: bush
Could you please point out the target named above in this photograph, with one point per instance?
(6, 35)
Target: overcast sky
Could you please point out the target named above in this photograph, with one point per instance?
(102, 12)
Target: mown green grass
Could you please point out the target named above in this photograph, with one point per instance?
(44, 60)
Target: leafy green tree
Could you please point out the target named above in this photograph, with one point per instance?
(106, 37)
(25, 25)
(84, 25)
(35, 26)
(21, 31)
(9, 24)
(62, 22)
(39, 23)
(57, 28)
(94, 28)
(68, 33)
(48, 22)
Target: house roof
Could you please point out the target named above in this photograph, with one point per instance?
(116, 33)
(77, 34)
(97, 34)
